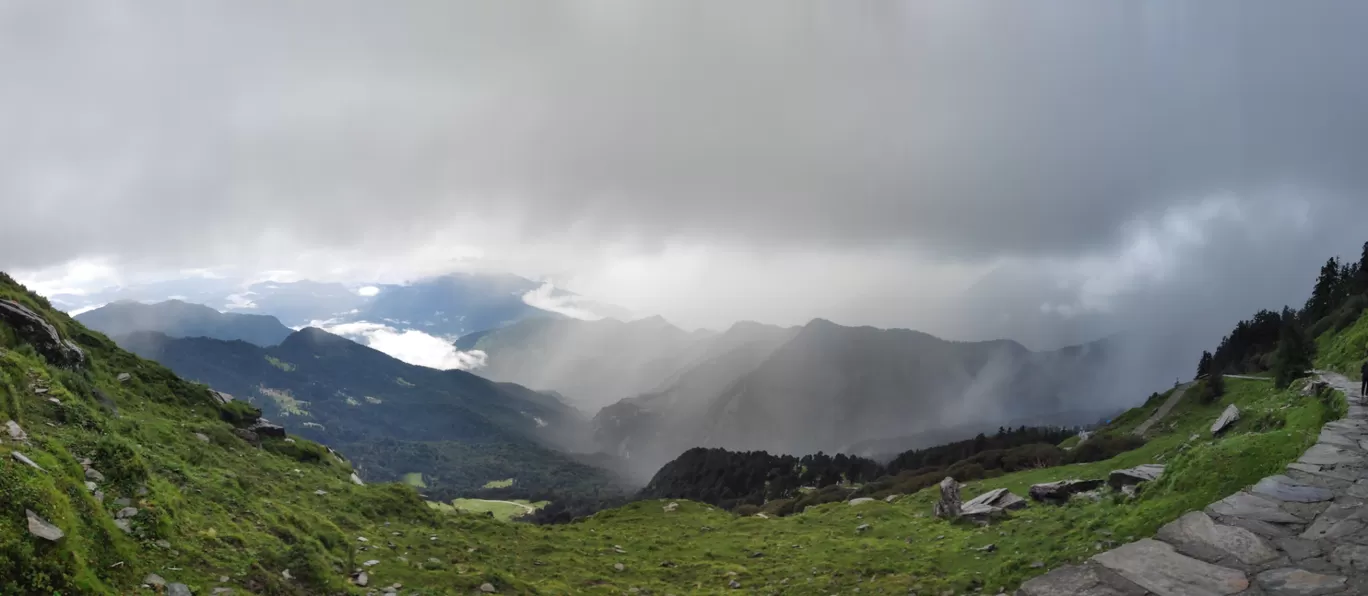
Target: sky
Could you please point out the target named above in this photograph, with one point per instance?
(1049, 171)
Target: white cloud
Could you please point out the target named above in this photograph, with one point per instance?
(569, 305)
(83, 309)
(409, 345)
(240, 301)
(367, 291)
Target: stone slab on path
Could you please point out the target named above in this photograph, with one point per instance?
(1196, 535)
(1080, 580)
(1159, 568)
(1282, 488)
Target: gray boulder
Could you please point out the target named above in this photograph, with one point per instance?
(267, 429)
(948, 506)
(177, 590)
(1060, 491)
(16, 433)
(23, 459)
(43, 528)
(357, 480)
(124, 377)
(41, 335)
(154, 580)
(1227, 418)
(220, 397)
(1134, 476)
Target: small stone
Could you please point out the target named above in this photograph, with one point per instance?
(126, 512)
(362, 539)
(619, 567)
(371, 563)
(1285, 489)
(860, 501)
(362, 579)
(756, 555)
(1290, 581)
(223, 579)
(91, 486)
(93, 474)
(733, 584)
(862, 528)
(202, 437)
(163, 544)
(154, 580)
(220, 591)
(123, 377)
(23, 459)
(123, 502)
(123, 524)
(15, 432)
(671, 508)
(357, 481)
(286, 574)
(320, 492)
(42, 528)
(177, 590)
(487, 588)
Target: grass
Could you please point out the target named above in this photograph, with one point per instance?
(280, 364)
(285, 401)
(1344, 351)
(505, 483)
(414, 479)
(502, 510)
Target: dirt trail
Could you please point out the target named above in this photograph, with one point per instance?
(1164, 409)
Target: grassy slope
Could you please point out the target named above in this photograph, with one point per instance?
(1344, 351)
(227, 508)
(504, 510)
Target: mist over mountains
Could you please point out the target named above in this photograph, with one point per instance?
(643, 391)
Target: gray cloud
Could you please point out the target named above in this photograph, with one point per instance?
(893, 140)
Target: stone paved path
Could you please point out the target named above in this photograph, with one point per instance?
(1163, 409)
(1300, 533)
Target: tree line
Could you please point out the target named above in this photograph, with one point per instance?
(1284, 342)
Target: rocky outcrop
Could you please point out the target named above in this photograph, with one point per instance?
(1300, 533)
(1134, 476)
(1060, 491)
(1228, 417)
(948, 506)
(991, 504)
(35, 330)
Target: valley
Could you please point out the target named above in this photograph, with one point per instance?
(120, 472)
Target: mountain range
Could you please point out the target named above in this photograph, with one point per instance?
(653, 389)
(451, 431)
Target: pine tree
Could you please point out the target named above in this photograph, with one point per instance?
(1323, 297)
(1293, 356)
(1360, 285)
(1204, 365)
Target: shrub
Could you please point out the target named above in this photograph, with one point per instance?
(746, 510)
(1103, 447)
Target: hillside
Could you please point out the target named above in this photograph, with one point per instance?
(182, 319)
(458, 430)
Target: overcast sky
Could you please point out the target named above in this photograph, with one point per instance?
(1044, 170)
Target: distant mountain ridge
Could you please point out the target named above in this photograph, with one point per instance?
(591, 363)
(457, 429)
(176, 318)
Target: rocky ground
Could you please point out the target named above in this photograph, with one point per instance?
(1300, 533)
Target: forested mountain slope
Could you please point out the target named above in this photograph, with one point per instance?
(456, 429)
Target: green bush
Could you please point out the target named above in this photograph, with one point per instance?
(119, 461)
(1098, 448)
